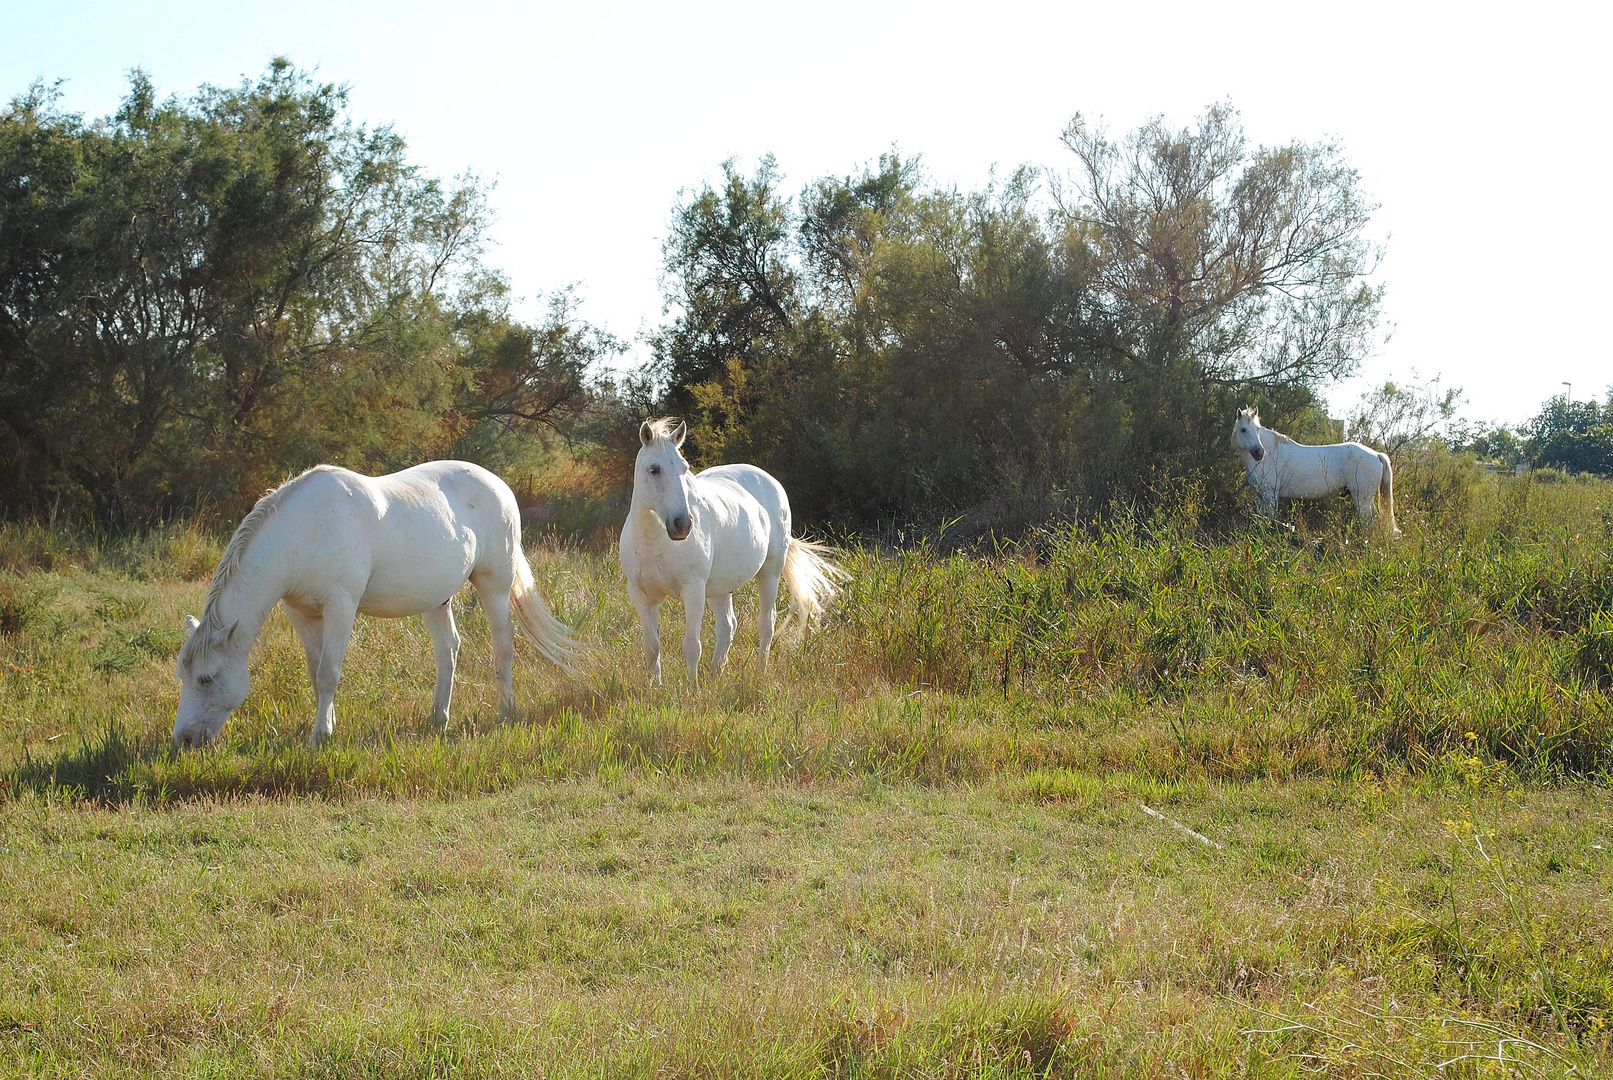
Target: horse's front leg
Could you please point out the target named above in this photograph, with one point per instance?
(309, 632)
(336, 631)
(445, 647)
(722, 614)
(694, 616)
(1266, 501)
(649, 617)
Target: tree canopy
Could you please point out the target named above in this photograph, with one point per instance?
(1575, 436)
(198, 295)
(895, 349)
(202, 294)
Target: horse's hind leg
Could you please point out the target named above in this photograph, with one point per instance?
(445, 647)
(336, 631)
(496, 602)
(1366, 503)
(722, 613)
(766, 613)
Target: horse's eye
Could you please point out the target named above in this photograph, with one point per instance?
(204, 680)
(655, 470)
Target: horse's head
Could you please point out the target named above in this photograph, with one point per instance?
(1246, 434)
(661, 476)
(213, 681)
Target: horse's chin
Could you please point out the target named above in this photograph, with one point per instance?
(196, 736)
(193, 740)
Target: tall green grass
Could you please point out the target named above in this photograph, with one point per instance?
(1145, 644)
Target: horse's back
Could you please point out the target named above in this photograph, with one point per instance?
(752, 526)
(760, 485)
(1303, 470)
(417, 534)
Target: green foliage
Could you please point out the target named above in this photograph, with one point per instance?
(1573, 436)
(894, 350)
(201, 295)
(1395, 418)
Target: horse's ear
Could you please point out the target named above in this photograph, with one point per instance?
(191, 623)
(226, 635)
(646, 434)
(679, 432)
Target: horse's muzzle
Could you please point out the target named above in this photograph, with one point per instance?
(678, 528)
(1258, 452)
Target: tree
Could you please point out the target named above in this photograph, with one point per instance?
(1396, 417)
(1575, 436)
(1245, 265)
(730, 280)
(894, 349)
(199, 295)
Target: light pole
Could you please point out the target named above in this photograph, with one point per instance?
(1568, 396)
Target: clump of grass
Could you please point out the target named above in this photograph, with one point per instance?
(1593, 649)
(30, 545)
(22, 603)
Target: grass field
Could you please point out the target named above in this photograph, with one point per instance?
(1121, 801)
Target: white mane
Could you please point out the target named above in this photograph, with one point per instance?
(211, 622)
(662, 428)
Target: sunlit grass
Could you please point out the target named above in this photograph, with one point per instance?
(916, 847)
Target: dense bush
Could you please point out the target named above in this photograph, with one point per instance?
(899, 351)
(201, 295)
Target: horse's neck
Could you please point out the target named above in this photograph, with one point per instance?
(254, 588)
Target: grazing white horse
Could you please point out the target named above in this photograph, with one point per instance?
(331, 544)
(702, 536)
(1280, 468)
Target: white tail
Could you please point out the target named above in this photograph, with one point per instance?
(554, 639)
(1386, 488)
(813, 579)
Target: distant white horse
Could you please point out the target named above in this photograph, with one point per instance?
(700, 537)
(1280, 468)
(331, 544)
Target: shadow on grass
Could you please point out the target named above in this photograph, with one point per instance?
(100, 769)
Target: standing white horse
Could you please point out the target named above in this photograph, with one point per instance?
(1280, 468)
(700, 537)
(331, 544)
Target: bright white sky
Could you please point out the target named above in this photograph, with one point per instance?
(1481, 131)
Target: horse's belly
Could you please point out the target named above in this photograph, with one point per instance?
(736, 573)
(1311, 489)
(411, 586)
